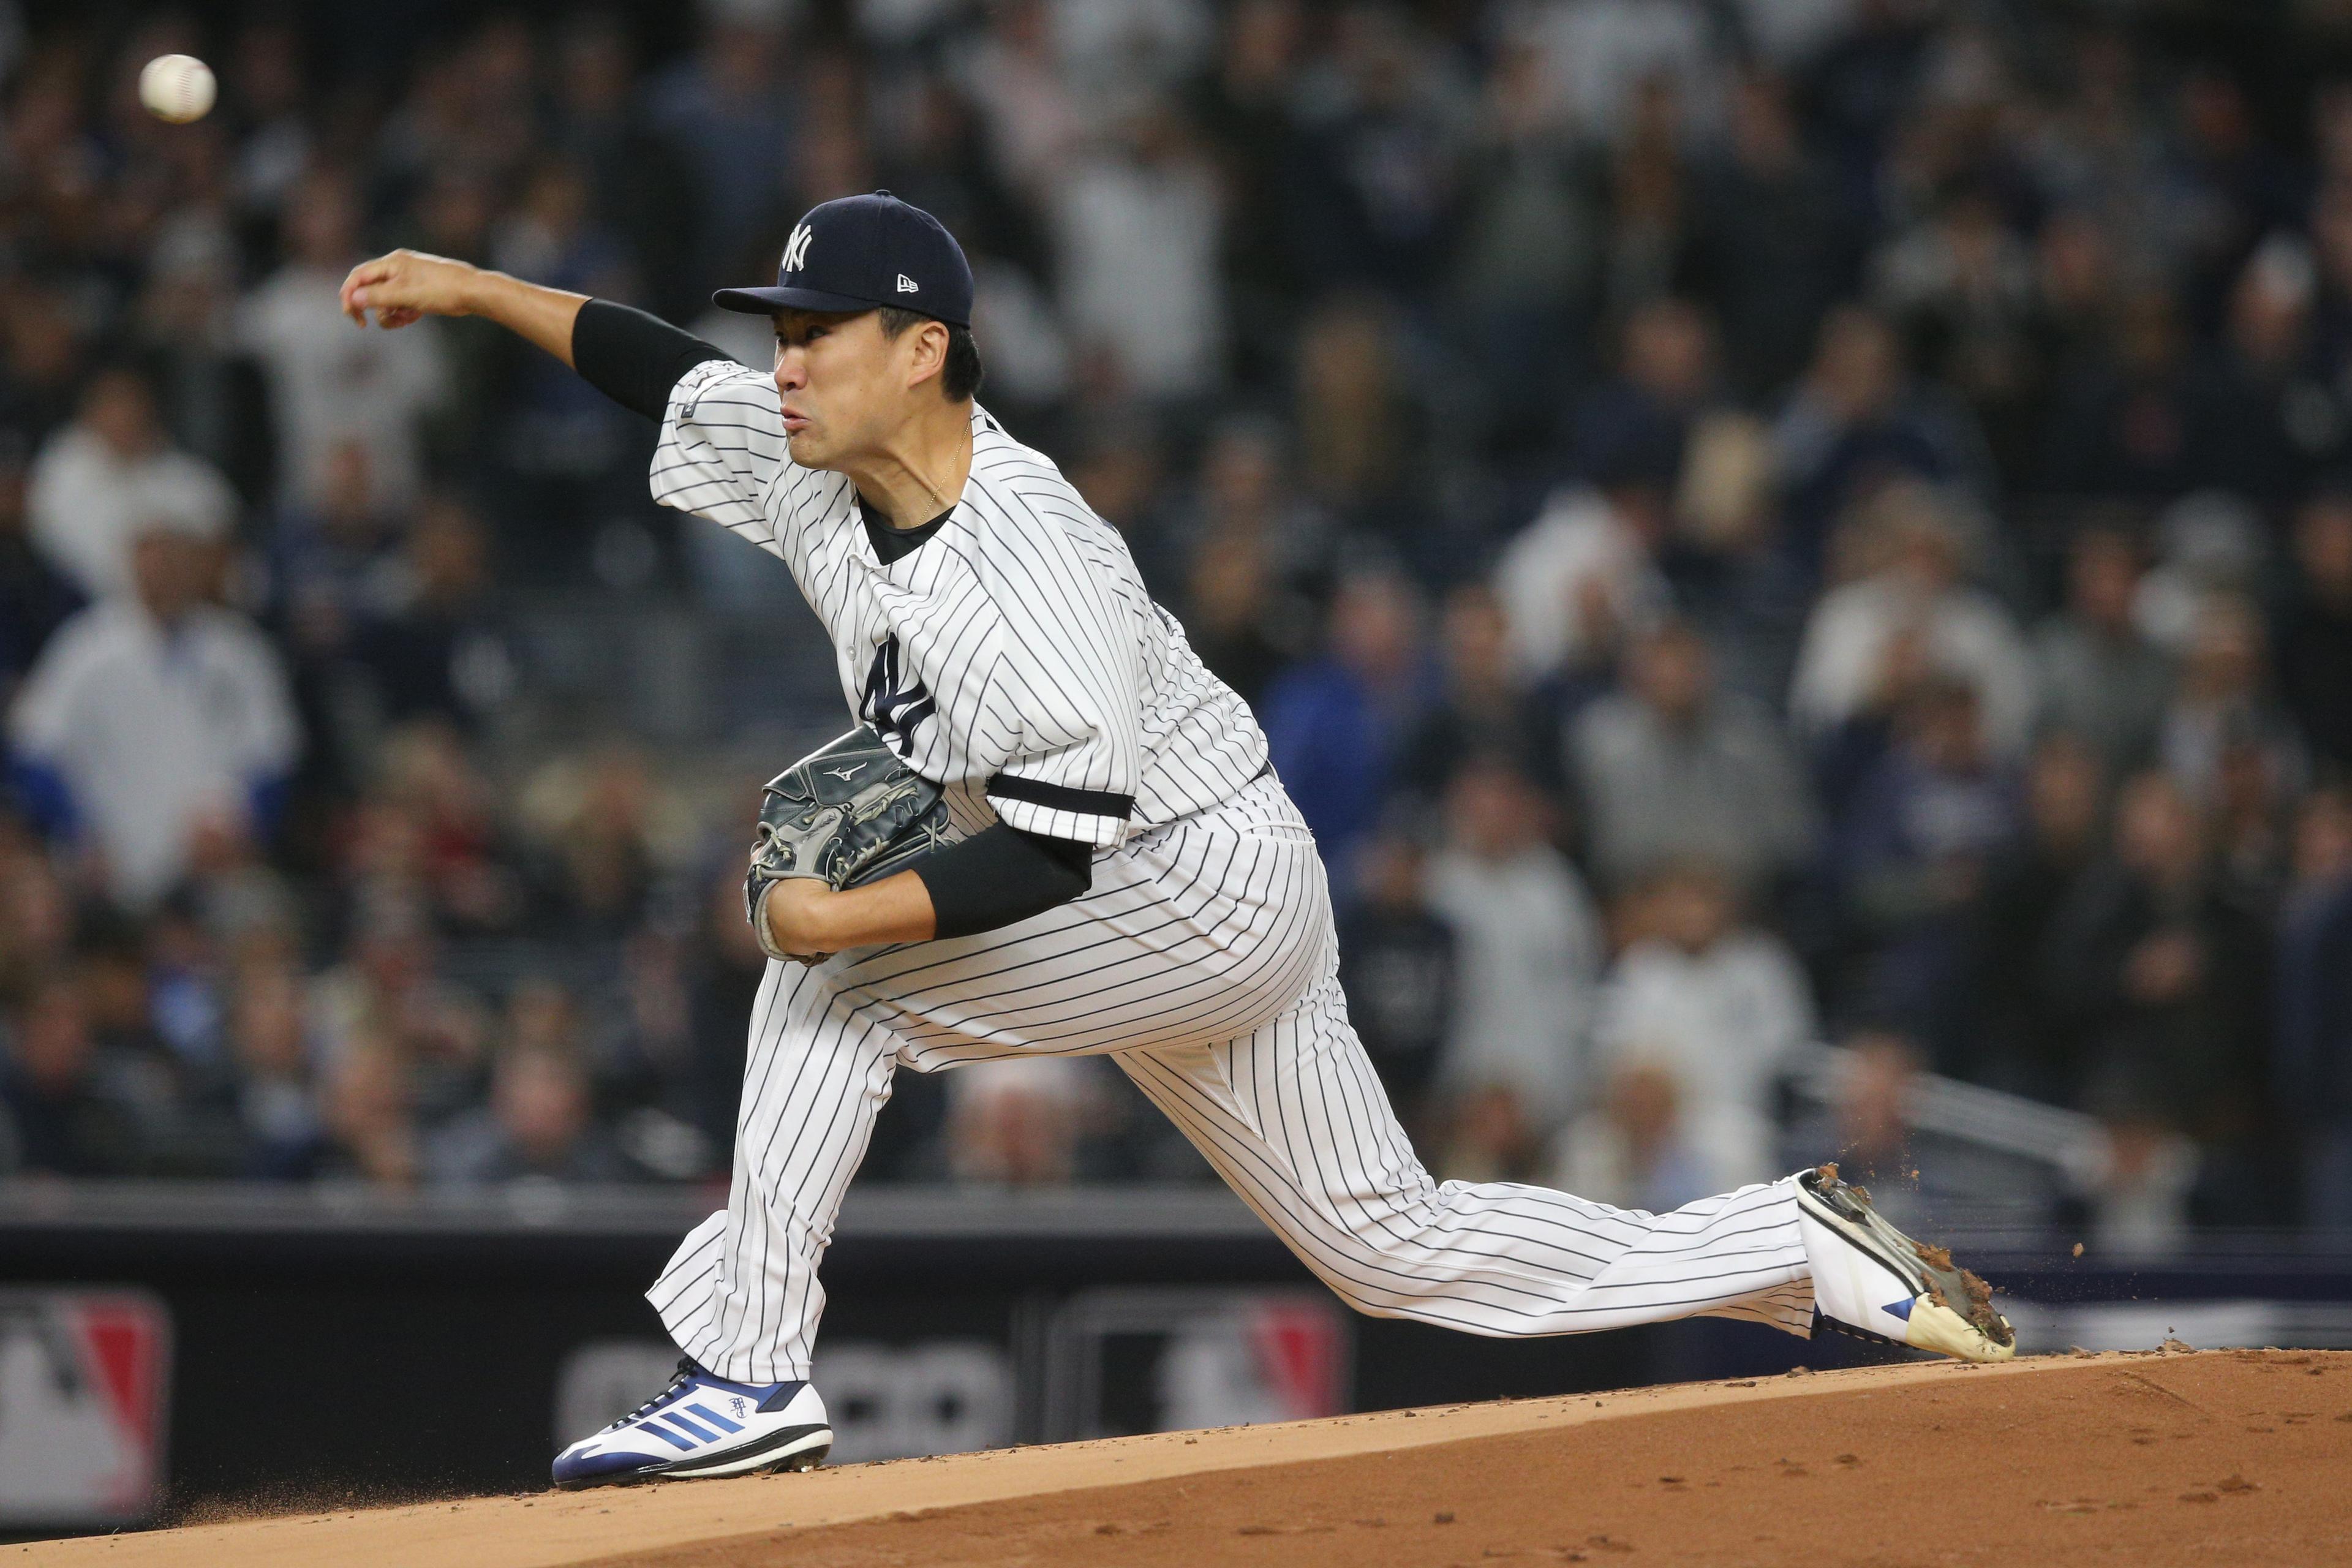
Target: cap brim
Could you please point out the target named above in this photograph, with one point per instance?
(768, 301)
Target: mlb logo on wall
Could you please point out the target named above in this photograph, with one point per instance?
(83, 1391)
(1153, 1358)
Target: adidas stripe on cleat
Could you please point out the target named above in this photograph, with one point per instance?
(1872, 1280)
(703, 1426)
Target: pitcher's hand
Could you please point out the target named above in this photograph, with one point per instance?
(407, 286)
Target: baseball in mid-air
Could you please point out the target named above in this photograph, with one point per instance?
(177, 88)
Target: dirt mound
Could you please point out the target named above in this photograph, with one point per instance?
(2151, 1458)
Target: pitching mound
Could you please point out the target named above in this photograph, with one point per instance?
(2150, 1459)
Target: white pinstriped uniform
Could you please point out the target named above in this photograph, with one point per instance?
(1015, 658)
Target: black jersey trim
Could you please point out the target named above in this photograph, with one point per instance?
(1061, 797)
(897, 544)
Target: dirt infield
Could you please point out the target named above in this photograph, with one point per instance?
(2150, 1459)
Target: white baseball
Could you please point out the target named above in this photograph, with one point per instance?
(177, 88)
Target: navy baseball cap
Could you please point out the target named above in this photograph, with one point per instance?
(859, 252)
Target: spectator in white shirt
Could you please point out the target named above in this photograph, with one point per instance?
(1601, 53)
(1033, 119)
(111, 468)
(332, 384)
(154, 719)
(1138, 227)
(1718, 1003)
(1696, 1018)
(1912, 588)
(1529, 946)
(1585, 573)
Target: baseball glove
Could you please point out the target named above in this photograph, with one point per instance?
(848, 812)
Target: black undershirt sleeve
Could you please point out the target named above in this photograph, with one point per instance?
(1000, 875)
(634, 358)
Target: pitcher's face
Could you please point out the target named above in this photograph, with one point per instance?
(842, 383)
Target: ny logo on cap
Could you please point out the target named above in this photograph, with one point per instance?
(797, 250)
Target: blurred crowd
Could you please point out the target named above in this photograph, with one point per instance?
(1746, 521)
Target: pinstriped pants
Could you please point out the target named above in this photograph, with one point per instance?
(1203, 961)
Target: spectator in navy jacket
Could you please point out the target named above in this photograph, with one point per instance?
(1338, 725)
(2315, 1027)
(1913, 851)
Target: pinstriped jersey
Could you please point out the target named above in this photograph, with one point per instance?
(1014, 658)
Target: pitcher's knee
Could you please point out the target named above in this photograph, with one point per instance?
(1378, 1274)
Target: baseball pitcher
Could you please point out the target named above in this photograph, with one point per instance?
(1053, 832)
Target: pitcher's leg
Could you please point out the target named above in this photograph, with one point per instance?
(1295, 1119)
(741, 1295)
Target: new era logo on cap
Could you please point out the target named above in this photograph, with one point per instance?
(857, 252)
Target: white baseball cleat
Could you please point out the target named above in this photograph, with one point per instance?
(1871, 1279)
(703, 1426)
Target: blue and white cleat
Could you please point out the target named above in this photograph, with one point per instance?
(703, 1426)
(1872, 1280)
